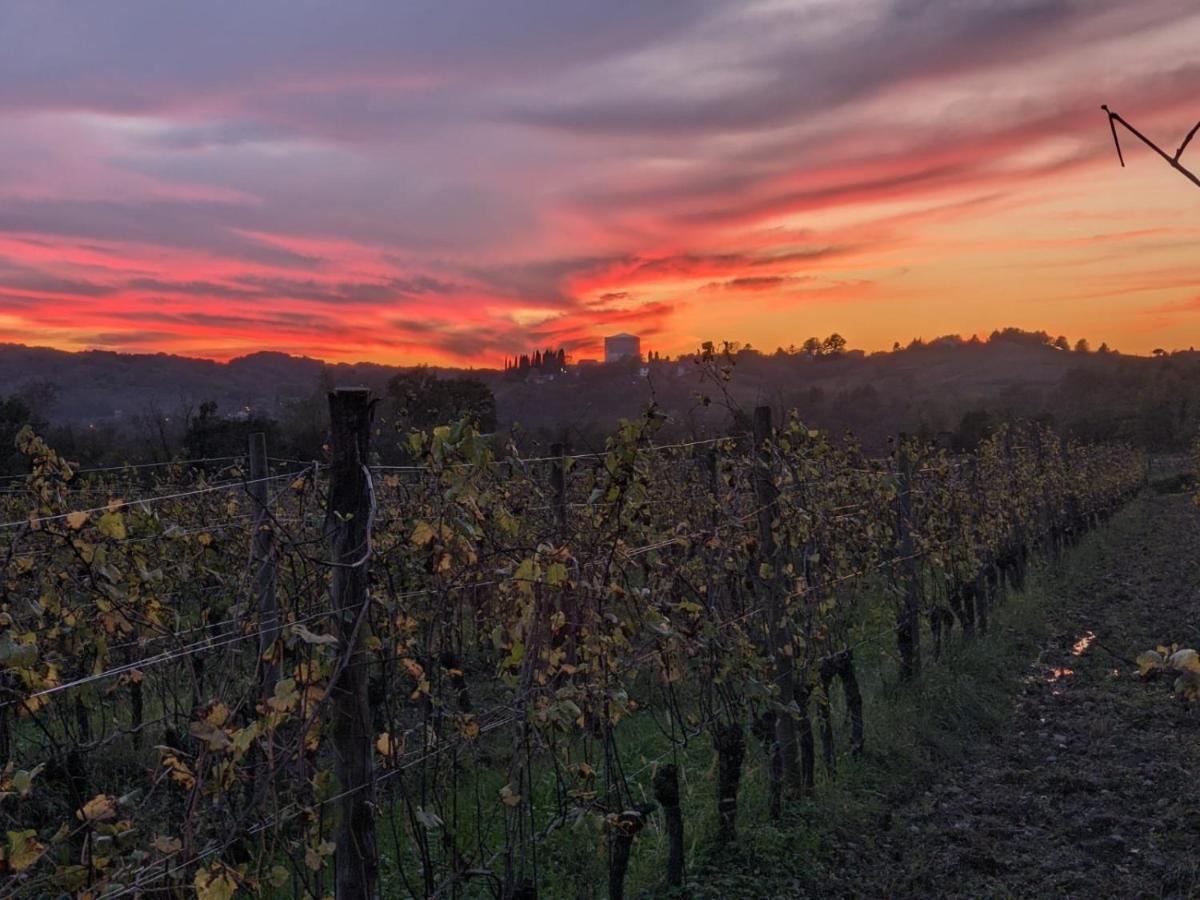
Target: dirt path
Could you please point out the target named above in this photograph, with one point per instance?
(1094, 789)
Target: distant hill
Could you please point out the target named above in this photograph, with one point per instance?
(97, 386)
(928, 387)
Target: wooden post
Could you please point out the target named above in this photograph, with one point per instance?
(779, 633)
(262, 552)
(137, 705)
(666, 792)
(714, 486)
(626, 827)
(825, 710)
(558, 485)
(908, 622)
(730, 743)
(764, 729)
(854, 701)
(347, 528)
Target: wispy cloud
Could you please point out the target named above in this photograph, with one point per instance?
(458, 181)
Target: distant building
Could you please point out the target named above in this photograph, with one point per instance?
(622, 346)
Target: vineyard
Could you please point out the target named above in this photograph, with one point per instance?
(479, 674)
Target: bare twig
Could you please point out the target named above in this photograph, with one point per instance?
(1172, 161)
(1187, 140)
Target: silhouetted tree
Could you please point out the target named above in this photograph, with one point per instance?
(833, 346)
(15, 414)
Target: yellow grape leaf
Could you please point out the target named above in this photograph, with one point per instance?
(218, 715)
(167, 845)
(285, 695)
(556, 574)
(314, 857)
(1186, 660)
(243, 738)
(279, 876)
(1150, 661)
(205, 539)
(112, 524)
(509, 797)
(14, 655)
(422, 534)
(213, 735)
(415, 670)
(217, 882)
(23, 849)
(1187, 685)
(180, 773)
(22, 780)
(98, 809)
(383, 744)
(77, 520)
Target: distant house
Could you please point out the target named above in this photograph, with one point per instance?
(622, 346)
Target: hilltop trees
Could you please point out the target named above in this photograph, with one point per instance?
(549, 361)
(830, 348)
(833, 346)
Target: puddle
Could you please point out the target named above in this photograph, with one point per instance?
(1083, 643)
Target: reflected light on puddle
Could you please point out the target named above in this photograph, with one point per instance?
(1083, 643)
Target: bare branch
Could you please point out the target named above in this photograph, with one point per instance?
(1187, 140)
(1173, 161)
(1116, 141)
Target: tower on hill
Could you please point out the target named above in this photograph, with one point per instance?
(622, 346)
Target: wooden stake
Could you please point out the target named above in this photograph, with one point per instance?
(347, 528)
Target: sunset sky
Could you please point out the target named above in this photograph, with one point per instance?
(451, 181)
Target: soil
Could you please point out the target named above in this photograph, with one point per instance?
(1092, 790)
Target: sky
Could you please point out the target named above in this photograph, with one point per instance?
(455, 181)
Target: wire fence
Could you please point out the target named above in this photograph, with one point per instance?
(527, 627)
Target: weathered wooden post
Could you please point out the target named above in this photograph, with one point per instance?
(558, 487)
(779, 633)
(262, 552)
(666, 792)
(730, 743)
(347, 528)
(626, 828)
(908, 623)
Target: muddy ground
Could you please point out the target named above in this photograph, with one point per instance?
(1093, 790)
